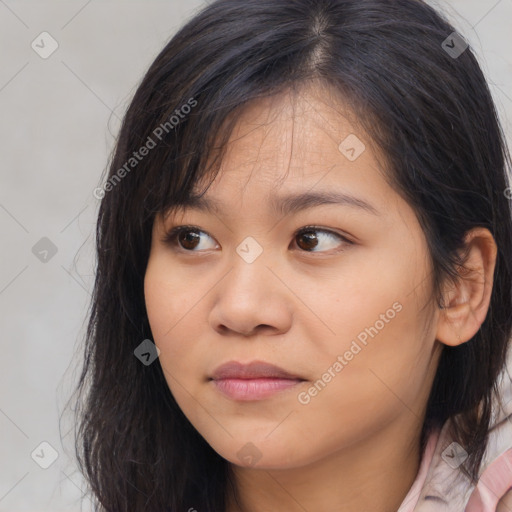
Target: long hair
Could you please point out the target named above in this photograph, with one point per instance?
(428, 110)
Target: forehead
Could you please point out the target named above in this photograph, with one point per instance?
(304, 144)
(293, 129)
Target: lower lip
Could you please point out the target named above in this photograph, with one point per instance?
(253, 389)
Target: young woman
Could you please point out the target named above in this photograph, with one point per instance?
(304, 284)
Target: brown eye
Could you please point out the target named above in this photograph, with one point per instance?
(186, 238)
(308, 239)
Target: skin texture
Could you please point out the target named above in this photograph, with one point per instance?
(299, 305)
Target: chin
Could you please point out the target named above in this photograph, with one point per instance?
(262, 454)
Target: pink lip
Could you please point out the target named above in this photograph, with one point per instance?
(254, 381)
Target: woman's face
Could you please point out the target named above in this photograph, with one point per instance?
(338, 306)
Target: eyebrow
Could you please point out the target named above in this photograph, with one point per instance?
(288, 204)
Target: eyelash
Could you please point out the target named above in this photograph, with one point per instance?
(170, 238)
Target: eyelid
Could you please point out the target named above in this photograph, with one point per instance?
(345, 241)
(169, 236)
(314, 227)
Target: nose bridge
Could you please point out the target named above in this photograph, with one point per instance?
(250, 250)
(249, 269)
(248, 295)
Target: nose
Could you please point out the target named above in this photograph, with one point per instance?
(251, 299)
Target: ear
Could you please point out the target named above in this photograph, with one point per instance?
(466, 304)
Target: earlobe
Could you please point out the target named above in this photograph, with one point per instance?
(465, 305)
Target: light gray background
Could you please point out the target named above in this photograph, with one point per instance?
(59, 119)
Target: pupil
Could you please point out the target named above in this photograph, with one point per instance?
(309, 237)
(187, 237)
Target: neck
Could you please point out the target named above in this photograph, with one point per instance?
(374, 474)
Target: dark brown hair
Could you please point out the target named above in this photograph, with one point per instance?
(430, 113)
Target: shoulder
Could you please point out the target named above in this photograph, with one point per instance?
(493, 492)
(446, 488)
(505, 504)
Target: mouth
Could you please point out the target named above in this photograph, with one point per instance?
(254, 381)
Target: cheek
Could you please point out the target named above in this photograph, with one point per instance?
(159, 307)
(384, 349)
(379, 382)
(169, 299)
(170, 306)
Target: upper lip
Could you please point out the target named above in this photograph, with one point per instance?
(252, 370)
